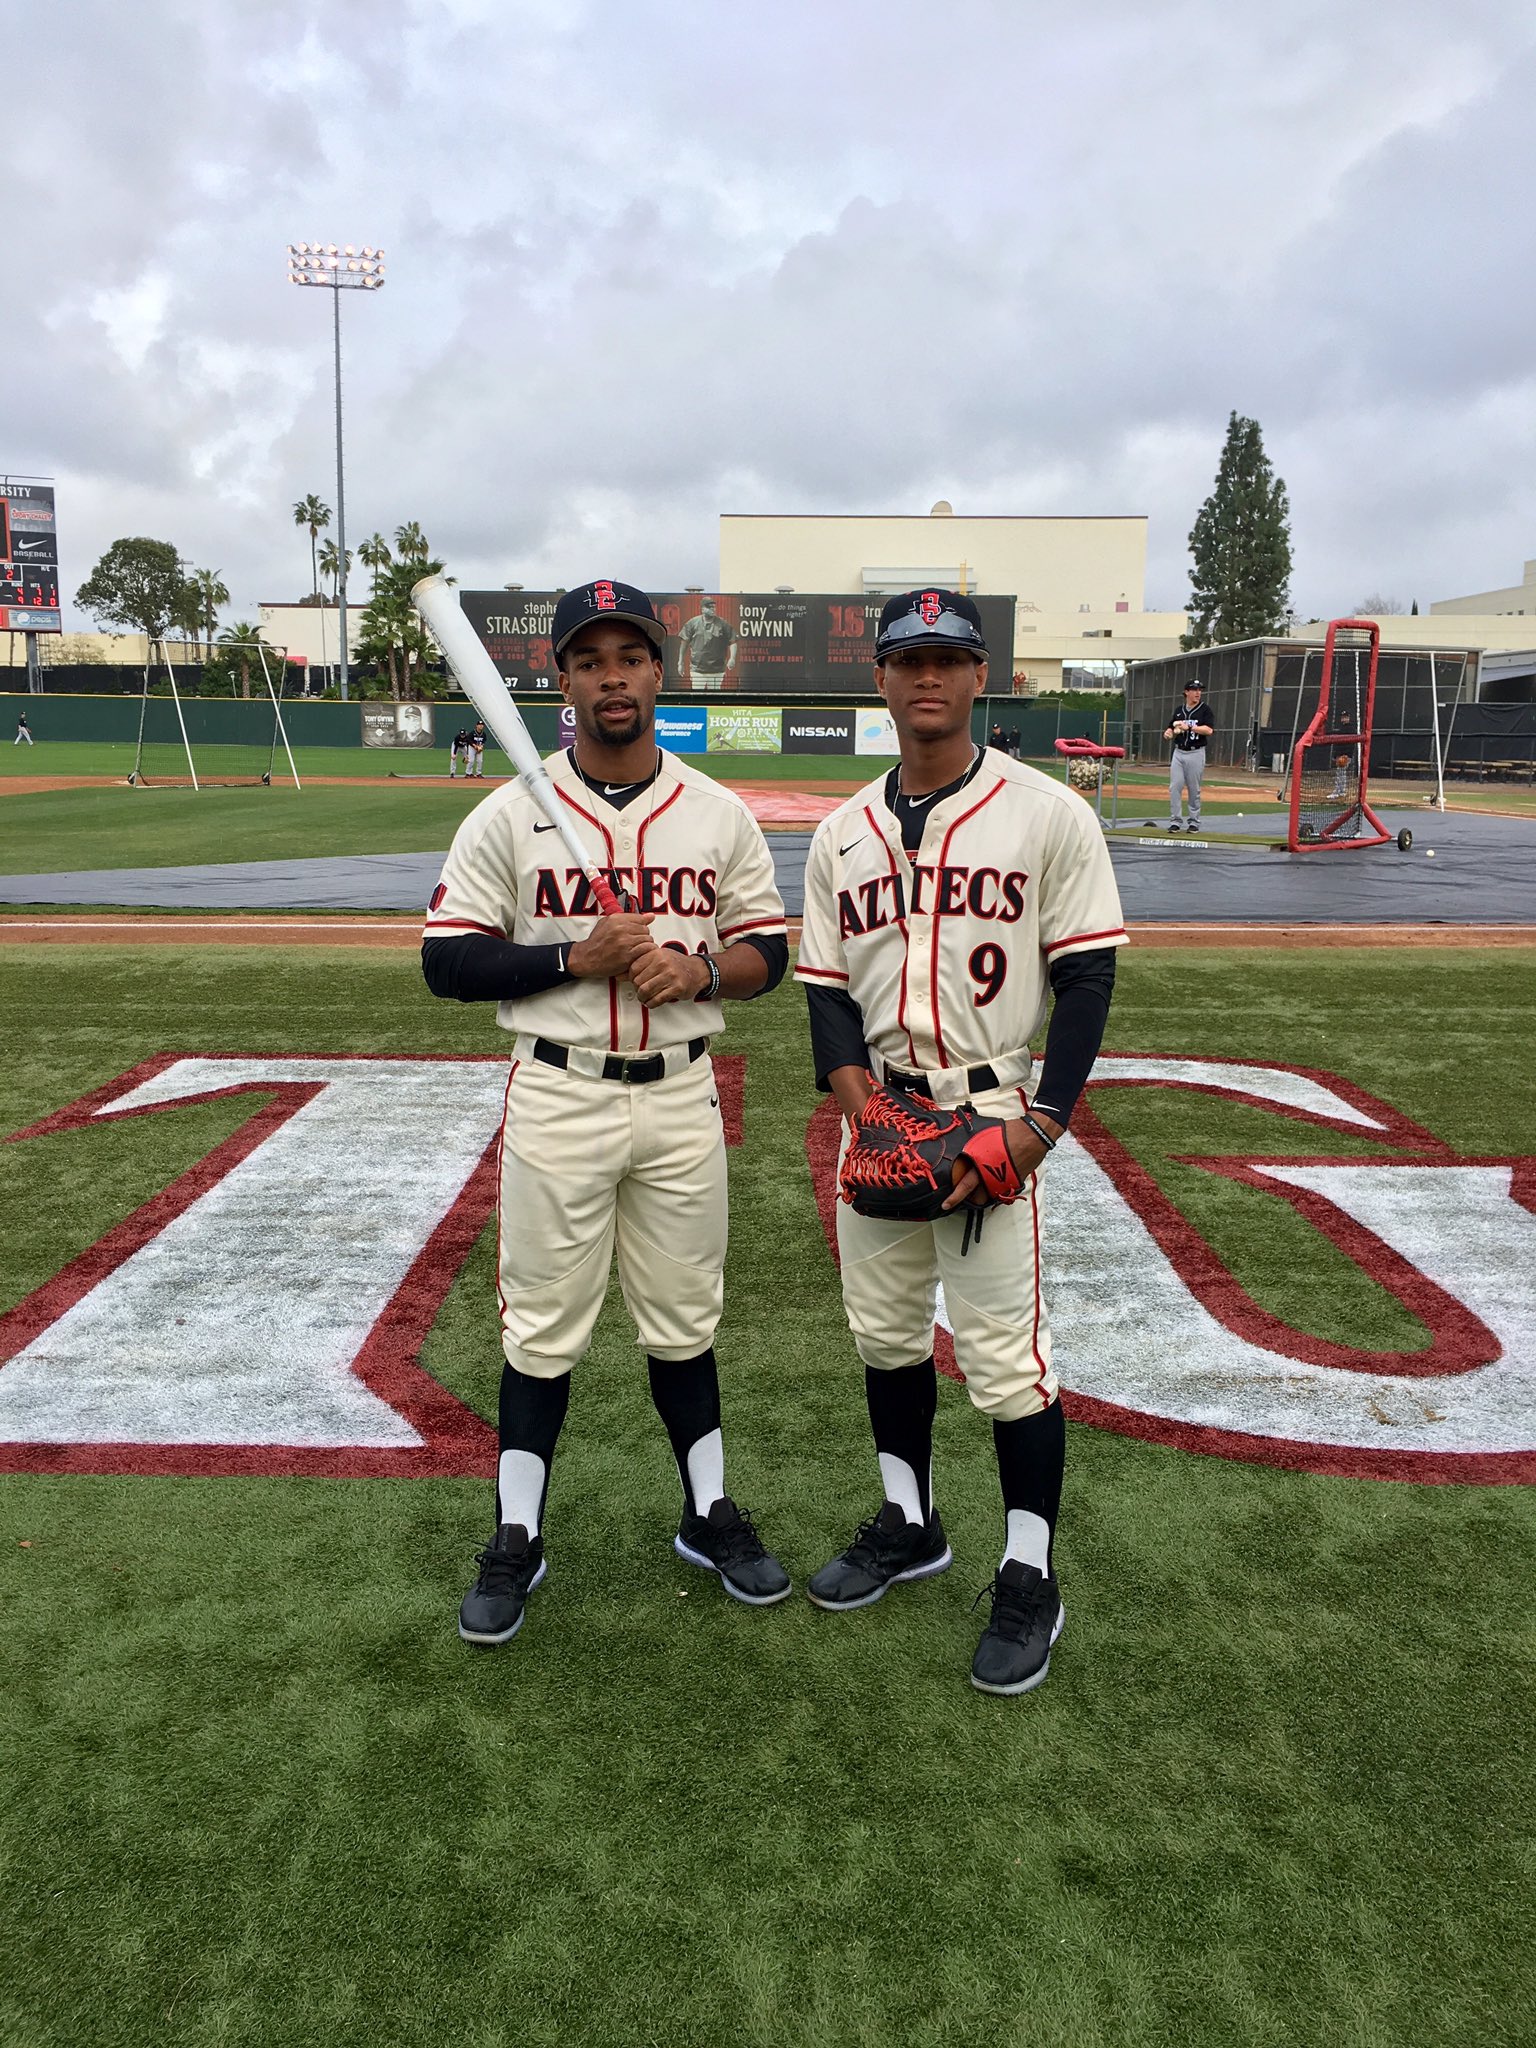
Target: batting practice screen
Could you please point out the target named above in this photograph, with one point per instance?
(780, 642)
(29, 560)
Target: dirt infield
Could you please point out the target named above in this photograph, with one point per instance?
(150, 929)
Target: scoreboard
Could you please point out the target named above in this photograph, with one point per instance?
(29, 560)
(792, 642)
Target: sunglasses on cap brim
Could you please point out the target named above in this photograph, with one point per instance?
(948, 629)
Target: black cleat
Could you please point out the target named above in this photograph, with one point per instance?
(725, 1541)
(1014, 1654)
(510, 1568)
(1193, 825)
(1175, 825)
(884, 1552)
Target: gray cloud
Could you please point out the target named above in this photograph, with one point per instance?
(651, 262)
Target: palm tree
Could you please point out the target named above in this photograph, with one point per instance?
(392, 632)
(242, 638)
(311, 513)
(374, 555)
(212, 594)
(412, 542)
(330, 561)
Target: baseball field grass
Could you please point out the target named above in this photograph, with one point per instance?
(1277, 1788)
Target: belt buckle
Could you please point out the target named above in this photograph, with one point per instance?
(653, 1063)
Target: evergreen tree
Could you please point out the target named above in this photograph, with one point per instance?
(1241, 546)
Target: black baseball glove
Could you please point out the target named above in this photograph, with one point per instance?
(904, 1152)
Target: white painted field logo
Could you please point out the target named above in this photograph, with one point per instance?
(266, 1311)
(1155, 1337)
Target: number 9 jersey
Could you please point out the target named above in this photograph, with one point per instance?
(947, 954)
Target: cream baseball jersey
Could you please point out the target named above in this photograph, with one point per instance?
(687, 851)
(948, 955)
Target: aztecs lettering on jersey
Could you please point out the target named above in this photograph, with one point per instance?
(987, 894)
(948, 954)
(685, 892)
(687, 853)
(1156, 1336)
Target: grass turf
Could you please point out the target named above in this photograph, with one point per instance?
(258, 1793)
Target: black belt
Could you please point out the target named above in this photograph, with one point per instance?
(617, 1066)
(977, 1080)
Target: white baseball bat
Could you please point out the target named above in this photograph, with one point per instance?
(435, 599)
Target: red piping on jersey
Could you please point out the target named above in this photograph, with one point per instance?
(501, 1139)
(933, 963)
(820, 974)
(459, 924)
(647, 822)
(1082, 938)
(752, 924)
(906, 940)
(1034, 1218)
(613, 986)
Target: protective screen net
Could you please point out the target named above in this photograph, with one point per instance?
(1331, 763)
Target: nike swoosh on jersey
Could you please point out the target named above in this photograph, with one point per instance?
(544, 828)
(852, 844)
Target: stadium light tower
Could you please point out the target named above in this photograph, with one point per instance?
(337, 270)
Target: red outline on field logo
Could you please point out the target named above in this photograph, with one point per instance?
(456, 1443)
(1460, 1342)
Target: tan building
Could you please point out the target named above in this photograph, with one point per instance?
(1078, 584)
(1519, 599)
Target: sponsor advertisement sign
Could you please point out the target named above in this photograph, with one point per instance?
(818, 732)
(873, 732)
(29, 560)
(397, 725)
(722, 641)
(682, 729)
(743, 729)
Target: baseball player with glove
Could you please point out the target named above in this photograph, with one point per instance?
(940, 904)
(612, 1133)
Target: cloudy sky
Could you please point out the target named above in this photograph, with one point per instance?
(652, 260)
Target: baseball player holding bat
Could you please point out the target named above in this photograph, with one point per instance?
(612, 1133)
(940, 903)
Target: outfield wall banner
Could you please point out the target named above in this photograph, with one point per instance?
(397, 725)
(682, 729)
(743, 729)
(720, 641)
(873, 733)
(818, 732)
(29, 560)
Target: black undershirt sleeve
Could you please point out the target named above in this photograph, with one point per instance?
(1082, 984)
(837, 1032)
(775, 950)
(478, 968)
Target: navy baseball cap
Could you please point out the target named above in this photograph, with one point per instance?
(605, 599)
(930, 618)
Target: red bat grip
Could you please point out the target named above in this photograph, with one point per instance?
(607, 902)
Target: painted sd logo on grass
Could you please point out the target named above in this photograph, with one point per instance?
(1155, 1337)
(265, 1312)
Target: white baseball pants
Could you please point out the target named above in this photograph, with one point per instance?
(589, 1165)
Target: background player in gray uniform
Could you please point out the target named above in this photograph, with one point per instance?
(708, 644)
(937, 903)
(1189, 729)
(612, 1133)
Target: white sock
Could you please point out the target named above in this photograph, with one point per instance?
(706, 1471)
(901, 1485)
(1029, 1539)
(519, 1489)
